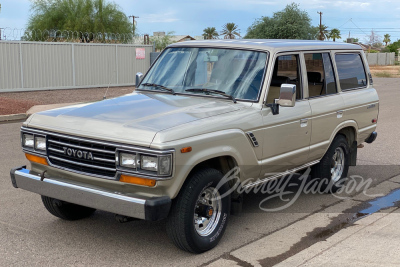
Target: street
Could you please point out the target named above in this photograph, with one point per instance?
(32, 236)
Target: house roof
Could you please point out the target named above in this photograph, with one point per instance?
(181, 38)
(366, 47)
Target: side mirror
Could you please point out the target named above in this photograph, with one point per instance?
(139, 77)
(287, 95)
(287, 98)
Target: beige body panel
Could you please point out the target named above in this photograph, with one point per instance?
(286, 137)
(327, 114)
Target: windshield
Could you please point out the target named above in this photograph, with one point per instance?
(236, 73)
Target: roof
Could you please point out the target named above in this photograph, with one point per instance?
(366, 47)
(275, 45)
(181, 38)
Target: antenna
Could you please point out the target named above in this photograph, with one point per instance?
(109, 82)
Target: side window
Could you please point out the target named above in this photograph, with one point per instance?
(286, 70)
(351, 71)
(320, 75)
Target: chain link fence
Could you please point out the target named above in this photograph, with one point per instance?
(16, 34)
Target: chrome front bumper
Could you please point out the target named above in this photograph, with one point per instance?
(147, 208)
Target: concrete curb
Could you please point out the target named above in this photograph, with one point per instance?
(32, 110)
(13, 117)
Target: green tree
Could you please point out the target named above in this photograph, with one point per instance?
(394, 47)
(323, 32)
(335, 34)
(80, 16)
(161, 42)
(229, 30)
(386, 39)
(290, 23)
(210, 33)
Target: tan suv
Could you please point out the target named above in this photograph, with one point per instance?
(264, 107)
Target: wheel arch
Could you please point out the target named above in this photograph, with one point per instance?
(348, 129)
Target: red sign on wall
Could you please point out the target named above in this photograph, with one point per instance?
(140, 53)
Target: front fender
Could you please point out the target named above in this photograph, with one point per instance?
(233, 143)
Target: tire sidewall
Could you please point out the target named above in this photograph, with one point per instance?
(334, 186)
(204, 243)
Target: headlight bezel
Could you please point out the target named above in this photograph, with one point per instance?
(33, 147)
(162, 171)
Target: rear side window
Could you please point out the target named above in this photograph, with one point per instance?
(351, 71)
(320, 76)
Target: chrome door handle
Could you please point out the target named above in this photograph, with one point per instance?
(339, 114)
(303, 122)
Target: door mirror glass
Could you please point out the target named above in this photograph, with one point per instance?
(287, 95)
(139, 77)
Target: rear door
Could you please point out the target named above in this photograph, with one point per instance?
(327, 105)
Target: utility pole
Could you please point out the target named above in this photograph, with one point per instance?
(321, 37)
(133, 18)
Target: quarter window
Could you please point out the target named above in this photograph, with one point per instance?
(351, 71)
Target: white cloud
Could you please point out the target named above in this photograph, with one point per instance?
(159, 17)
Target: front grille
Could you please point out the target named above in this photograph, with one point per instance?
(81, 156)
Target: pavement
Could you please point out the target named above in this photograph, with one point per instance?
(32, 110)
(352, 239)
(316, 230)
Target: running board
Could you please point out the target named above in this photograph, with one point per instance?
(279, 175)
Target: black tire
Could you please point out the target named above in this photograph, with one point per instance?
(66, 210)
(181, 221)
(331, 183)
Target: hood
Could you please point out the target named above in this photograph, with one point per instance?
(133, 118)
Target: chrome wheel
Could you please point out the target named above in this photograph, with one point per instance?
(207, 211)
(337, 165)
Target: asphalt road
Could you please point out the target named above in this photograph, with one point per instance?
(31, 236)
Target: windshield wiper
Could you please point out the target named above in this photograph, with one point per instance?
(211, 91)
(159, 86)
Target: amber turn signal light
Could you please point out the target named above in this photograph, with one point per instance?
(137, 180)
(186, 149)
(36, 159)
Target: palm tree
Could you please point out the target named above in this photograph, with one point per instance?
(386, 39)
(229, 30)
(322, 32)
(210, 33)
(335, 34)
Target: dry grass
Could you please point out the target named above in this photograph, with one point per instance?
(385, 71)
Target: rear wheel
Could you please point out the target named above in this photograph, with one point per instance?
(333, 167)
(66, 210)
(199, 214)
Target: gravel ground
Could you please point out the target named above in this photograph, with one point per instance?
(20, 102)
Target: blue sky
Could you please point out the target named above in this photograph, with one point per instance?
(192, 16)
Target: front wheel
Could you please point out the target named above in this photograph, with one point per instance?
(334, 165)
(199, 214)
(66, 210)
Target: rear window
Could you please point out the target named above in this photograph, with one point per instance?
(351, 71)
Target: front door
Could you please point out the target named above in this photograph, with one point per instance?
(287, 134)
